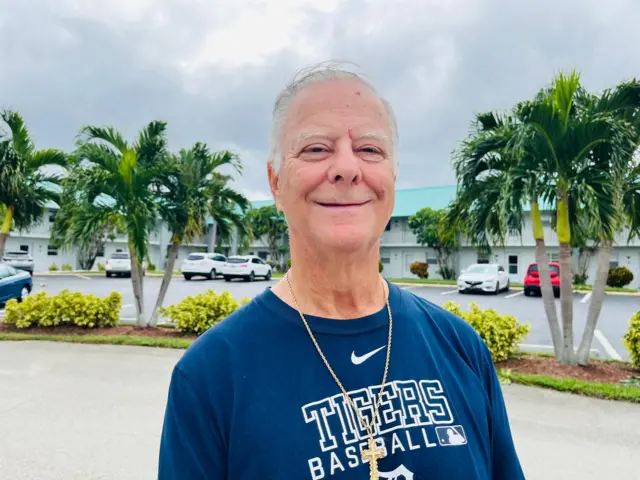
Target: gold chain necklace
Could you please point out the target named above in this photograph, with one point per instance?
(372, 453)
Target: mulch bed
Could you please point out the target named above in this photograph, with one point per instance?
(597, 371)
(124, 330)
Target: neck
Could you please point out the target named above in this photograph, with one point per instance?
(333, 285)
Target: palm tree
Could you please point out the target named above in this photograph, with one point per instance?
(82, 225)
(559, 140)
(493, 190)
(192, 189)
(120, 179)
(27, 178)
(622, 171)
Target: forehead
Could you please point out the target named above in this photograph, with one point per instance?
(336, 105)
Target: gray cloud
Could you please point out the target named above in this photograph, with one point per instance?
(66, 64)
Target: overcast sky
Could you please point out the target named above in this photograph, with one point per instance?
(212, 68)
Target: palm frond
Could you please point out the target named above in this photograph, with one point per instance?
(109, 135)
(21, 140)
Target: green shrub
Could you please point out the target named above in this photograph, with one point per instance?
(151, 267)
(53, 267)
(632, 340)
(197, 313)
(289, 263)
(421, 269)
(380, 266)
(66, 267)
(64, 309)
(101, 267)
(272, 264)
(619, 277)
(580, 279)
(501, 333)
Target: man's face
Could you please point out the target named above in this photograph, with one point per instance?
(336, 183)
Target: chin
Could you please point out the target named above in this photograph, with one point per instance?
(346, 239)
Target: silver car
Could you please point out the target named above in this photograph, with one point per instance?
(19, 260)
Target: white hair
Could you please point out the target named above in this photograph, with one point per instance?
(322, 72)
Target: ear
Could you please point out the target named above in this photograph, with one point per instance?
(272, 175)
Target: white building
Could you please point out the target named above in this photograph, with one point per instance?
(398, 245)
(399, 248)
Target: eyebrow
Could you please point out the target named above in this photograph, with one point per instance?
(320, 135)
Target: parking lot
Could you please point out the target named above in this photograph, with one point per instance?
(608, 343)
(95, 412)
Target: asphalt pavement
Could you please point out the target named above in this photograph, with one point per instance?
(94, 412)
(608, 342)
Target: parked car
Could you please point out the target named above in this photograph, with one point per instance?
(14, 283)
(119, 263)
(483, 277)
(19, 260)
(207, 265)
(245, 266)
(532, 279)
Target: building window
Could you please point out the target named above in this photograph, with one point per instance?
(263, 255)
(52, 215)
(613, 264)
(385, 260)
(52, 251)
(483, 258)
(388, 227)
(24, 248)
(100, 252)
(554, 256)
(513, 264)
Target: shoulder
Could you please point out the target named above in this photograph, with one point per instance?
(213, 353)
(446, 327)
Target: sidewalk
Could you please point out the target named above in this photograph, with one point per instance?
(92, 412)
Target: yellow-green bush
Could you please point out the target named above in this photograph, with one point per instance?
(53, 267)
(65, 309)
(66, 267)
(101, 267)
(501, 333)
(632, 340)
(197, 313)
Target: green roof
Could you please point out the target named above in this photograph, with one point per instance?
(409, 200)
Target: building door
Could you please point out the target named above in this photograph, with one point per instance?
(513, 267)
(408, 260)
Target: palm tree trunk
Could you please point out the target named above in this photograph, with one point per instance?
(595, 304)
(566, 280)
(546, 289)
(136, 282)
(166, 279)
(6, 227)
(214, 234)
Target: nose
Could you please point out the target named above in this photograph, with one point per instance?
(345, 167)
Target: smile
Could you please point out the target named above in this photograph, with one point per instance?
(342, 205)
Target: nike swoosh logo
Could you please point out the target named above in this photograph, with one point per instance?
(357, 360)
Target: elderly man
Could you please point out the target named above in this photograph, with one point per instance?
(335, 373)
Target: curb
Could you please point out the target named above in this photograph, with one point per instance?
(438, 285)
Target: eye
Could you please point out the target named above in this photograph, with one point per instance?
(315, 149)
(371, 153)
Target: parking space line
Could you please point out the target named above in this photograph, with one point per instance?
(586, 298)
(607, 346)
(521, 292)
(83, 277)
(594, 351)
(128, 305)
(449, 292)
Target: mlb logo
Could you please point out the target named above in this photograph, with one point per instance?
(451, 435)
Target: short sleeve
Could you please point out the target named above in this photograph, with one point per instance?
(504, 458)
(192, 445)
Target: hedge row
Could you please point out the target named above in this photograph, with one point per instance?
(65, 309)
(197, 313)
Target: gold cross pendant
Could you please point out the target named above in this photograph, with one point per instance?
(372, 454)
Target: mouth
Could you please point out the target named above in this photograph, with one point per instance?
(342, 205)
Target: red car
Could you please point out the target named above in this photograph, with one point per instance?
(532, 279)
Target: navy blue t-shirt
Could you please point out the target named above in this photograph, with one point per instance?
(252, 399)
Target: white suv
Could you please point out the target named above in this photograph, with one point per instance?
(119, 263)
(246, 266)
(207, 265)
